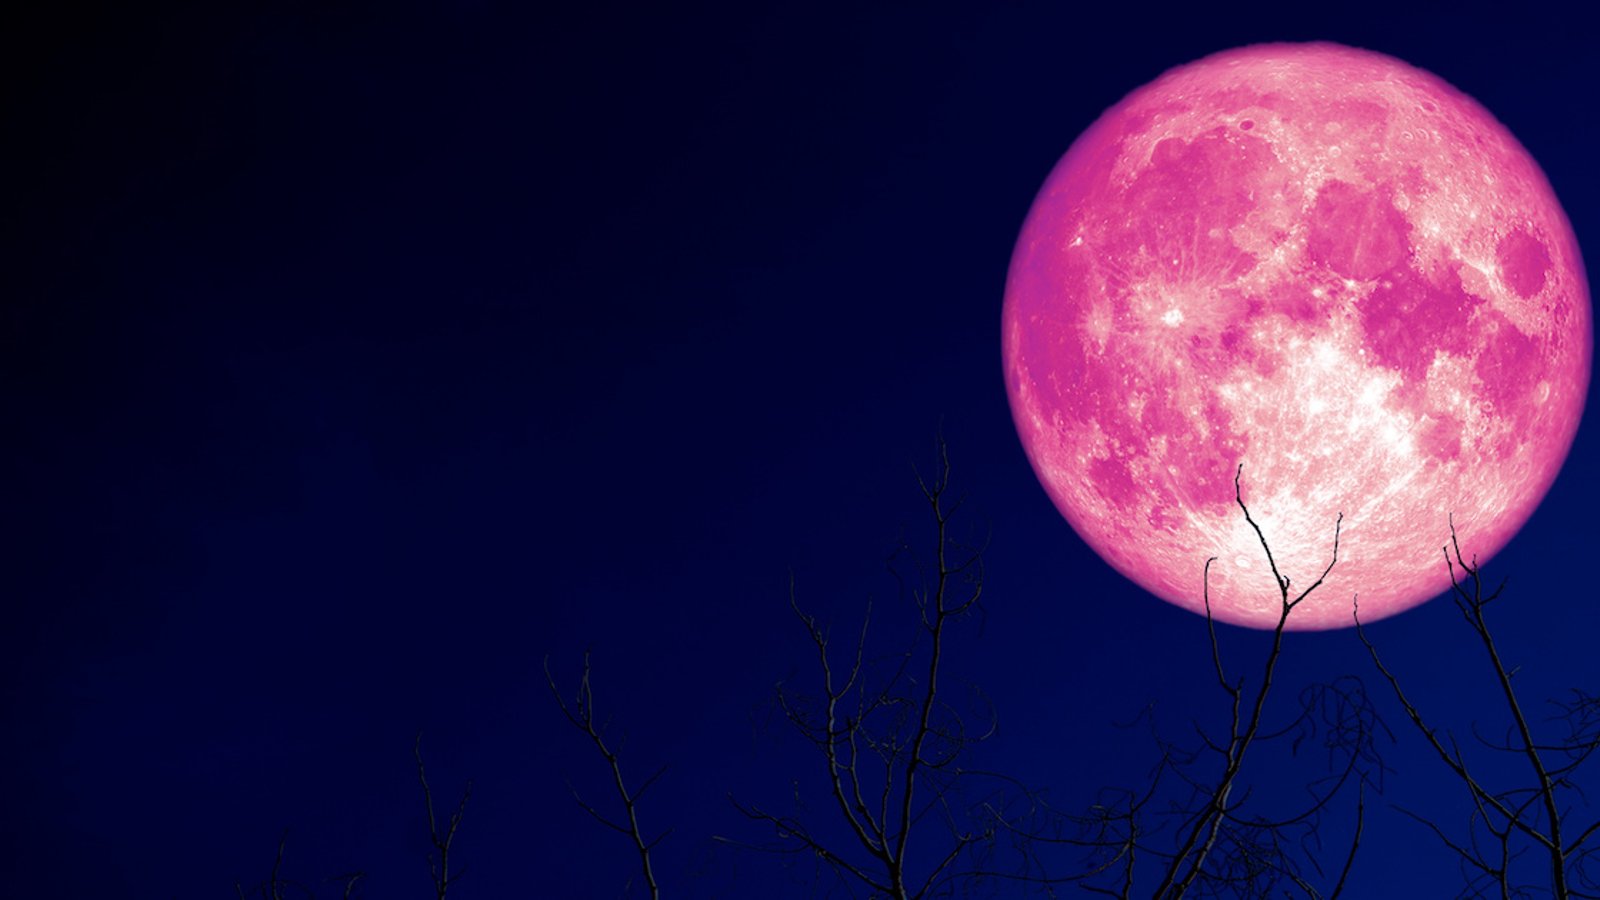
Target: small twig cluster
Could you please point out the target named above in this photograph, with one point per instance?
(580, 712)
(439, 857)
(277, 887)
(889, 743)
(1535, 816)
(1210, 840)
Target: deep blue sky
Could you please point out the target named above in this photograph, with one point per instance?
(355, 357)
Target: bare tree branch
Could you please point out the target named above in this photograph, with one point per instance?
(1206, 827)
(1517, 816)
(439, 858)
(276, 885)
(1196, 828)
(898, 740)
(580, 712)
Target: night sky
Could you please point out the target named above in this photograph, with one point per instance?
(357, 357)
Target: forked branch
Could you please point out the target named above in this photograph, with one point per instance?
(1509, 817)
(888, 740)
(1203, 831)
(580, 712)
(439, 857)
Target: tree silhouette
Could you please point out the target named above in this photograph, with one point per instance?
(906, 814)
(276, 886)
(1195, 828)
(580, 712)
(906, 811)
(1507, 823)
(906, 806)
(439, 857)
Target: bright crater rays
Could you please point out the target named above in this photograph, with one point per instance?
(1322, 263)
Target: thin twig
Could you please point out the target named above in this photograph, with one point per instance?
(581, 714)
(439, 858)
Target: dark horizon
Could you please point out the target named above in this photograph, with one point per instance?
(358, 357)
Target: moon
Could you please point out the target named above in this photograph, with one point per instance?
(1324, 265)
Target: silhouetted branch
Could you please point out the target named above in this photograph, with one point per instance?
(1252, 847)
(1195, 828)
(889, 744)
(581, 714)
(1517, 817)
(350, 880)
(439, 858)
(275, 886)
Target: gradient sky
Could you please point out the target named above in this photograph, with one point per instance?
(356, 357)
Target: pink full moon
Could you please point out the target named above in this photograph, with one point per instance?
(1323, 264)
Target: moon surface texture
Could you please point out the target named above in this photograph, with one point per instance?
(1325, 265)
